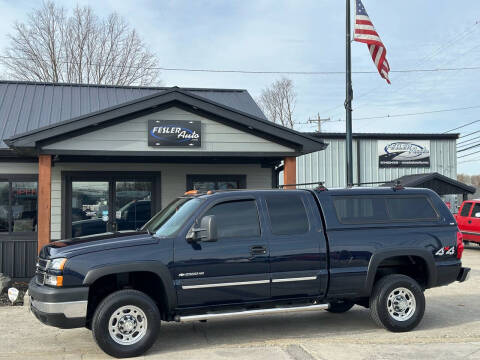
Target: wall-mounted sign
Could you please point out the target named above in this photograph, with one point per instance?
(403, 153)
(174, 133)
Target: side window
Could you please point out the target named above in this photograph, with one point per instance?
(360, 209)
(287, 214)
(410, 208)
(476, 209)
(236, 219)
(466, 209)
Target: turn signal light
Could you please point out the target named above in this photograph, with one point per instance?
(54, 280)
(460, 246)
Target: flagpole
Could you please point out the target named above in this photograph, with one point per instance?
(348, 100)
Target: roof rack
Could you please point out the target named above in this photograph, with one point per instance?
(320, 186)
(397, 186)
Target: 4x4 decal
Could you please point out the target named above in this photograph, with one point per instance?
(447, 250)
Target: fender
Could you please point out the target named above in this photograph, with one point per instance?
(148, 266)
(377, 258)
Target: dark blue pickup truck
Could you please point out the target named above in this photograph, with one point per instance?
(249, 252)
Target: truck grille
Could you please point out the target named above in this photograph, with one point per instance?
(42, 265)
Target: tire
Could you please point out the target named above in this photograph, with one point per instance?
(340, 307)
(126, 323)
(407, 293)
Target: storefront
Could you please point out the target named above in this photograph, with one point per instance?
(81, 160)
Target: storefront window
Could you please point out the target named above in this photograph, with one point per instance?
(215, 182)
(24, 206)
(18, 206)
(4, 206)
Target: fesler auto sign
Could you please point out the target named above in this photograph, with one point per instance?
(174, 133)
(403, 153)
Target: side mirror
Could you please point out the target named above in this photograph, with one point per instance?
(207, 231)
(477, 215)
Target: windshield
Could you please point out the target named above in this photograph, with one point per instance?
(171, 218)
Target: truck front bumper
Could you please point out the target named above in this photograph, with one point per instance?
(464, 274)
(65, 308)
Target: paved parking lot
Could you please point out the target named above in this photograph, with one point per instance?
(449, 330)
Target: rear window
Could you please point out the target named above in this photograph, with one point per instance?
(377, 209)
(410, 208)
(466, 209)
(357, 210)
(287, 214)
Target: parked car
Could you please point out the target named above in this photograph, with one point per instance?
(241, 253)
(468, 220)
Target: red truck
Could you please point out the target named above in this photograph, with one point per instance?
(468, 220)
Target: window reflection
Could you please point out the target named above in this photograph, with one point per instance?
(24, 206)
(89, 207)
(4, 205)
(132, 204)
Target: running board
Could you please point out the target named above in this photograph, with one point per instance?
(222, 315)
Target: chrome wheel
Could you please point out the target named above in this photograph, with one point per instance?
(127, 325)
(401, 304)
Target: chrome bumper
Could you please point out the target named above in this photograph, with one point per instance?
(71, 309)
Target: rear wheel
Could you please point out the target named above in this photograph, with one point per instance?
(340, 307)
(126, 323)
(397, 303)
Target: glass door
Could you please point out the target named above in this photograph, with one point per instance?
(97, 203)
(90, 208)
(133, 204)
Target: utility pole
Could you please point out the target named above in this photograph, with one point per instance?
(348, 99)
(318, 120)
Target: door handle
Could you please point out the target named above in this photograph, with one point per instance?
(469, 221)
(258, 250)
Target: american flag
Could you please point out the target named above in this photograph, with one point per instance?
(365, 32)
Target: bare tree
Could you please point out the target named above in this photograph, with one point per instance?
(78, 48)
(278, 102)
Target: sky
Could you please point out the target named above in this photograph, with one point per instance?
(304, 35)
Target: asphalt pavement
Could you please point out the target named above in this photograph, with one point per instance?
(449, 330)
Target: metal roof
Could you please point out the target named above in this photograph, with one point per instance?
(31, 140)
(441, 184)
(28, 106)
(386, 136)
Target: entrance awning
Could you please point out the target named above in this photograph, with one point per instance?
(439, 183)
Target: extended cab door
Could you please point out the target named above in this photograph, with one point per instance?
(470, 227)
(298, 251)
(232, 269)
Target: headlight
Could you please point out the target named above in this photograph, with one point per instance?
(57, 264)
(53, 280)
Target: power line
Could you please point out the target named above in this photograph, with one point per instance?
(475, 152)
(468, 161)
(471, 133)
(240, 71)
(455, 39)
(461, 126)
(467, 141)
(417, 113)
(472, 146)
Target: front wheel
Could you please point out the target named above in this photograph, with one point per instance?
(397, 303)
(126, 323)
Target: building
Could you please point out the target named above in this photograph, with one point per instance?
(79, 159)
(382, 159)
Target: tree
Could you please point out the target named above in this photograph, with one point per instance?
(53, 46)
(278, 102)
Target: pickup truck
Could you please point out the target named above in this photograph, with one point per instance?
(227, 254)
(468, 220)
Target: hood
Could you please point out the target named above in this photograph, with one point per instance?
(93, 243)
